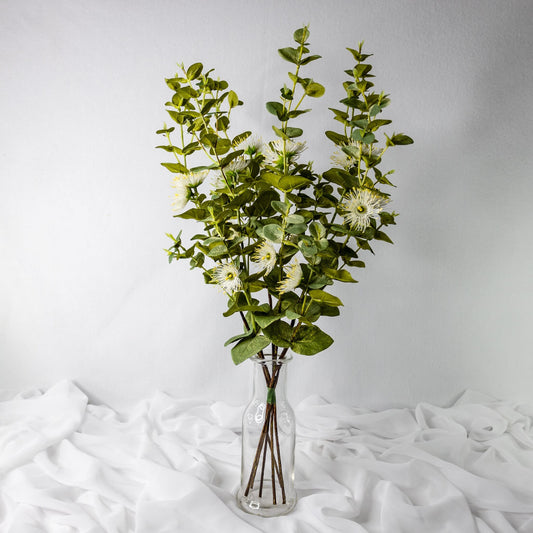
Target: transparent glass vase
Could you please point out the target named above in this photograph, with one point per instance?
(268, 436)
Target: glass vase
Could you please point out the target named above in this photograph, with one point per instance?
(268, 436)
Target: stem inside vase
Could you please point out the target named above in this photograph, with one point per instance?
(267, 475)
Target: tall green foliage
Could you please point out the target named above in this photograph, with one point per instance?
(275, 234)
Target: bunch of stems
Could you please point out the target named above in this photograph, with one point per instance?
(268, 444)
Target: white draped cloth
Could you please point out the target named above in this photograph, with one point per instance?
(172, 465)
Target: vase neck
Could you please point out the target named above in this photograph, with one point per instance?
(270, 373)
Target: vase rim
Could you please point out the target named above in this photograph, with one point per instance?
(267, 358)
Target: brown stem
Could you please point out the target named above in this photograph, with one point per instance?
(272, 440)
(264, 433)
(265, 448)
(272, 460)
(280, 470)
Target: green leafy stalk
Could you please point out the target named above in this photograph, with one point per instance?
(274, 234)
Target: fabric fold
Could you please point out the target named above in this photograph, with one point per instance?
(169, 465)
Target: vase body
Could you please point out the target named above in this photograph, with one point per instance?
(268, 437)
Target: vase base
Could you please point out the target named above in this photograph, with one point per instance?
(263, 506)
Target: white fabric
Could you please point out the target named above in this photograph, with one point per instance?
(172, 465)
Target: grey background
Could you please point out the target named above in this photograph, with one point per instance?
(85, 288)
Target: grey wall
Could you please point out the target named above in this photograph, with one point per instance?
(86, 291)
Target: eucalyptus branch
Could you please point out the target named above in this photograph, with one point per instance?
(270, 202)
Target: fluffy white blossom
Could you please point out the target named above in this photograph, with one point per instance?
(360, 206)
(275, 155)
(252, 145)
(227, 277)
(230, 170)
(293, 276)
(346, 161)
(182, 184)
(265, 256)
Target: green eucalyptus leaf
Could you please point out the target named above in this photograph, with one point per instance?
(279, 333)
(340, 275)
(242, 305)
(194, 71)
(240, 336)
(328, 310)
(308, 59)
(401, 139)
(280, 207)
(277, 109)
(310, 339)
(374, 110)
(337, 138)
(295, 219)
(263, 205)
(289, 54)
(166, 130)
(320, 282)
(313, 312)
(301, 35)
(362, 70)
(343, 230)
(315, 90)
(280, 133)
(307, 247)
(222, 146)
(341, 177)
(382, 236)
(362, 136)
(247, 348)
(229, 158)
(264, 320)
(378, 123)
(185, 93)
(240, 138)
(297, 112)
(291, 314)
(387, 219)
(196, 214)
(272, 178)
(273, 232)
(325, 297)
(233, 99)
(170, 148)
(296, 229)
(222, 124)
(293, 132)
(288, 183)
(317, 230)
(175, 167)
(218, 251)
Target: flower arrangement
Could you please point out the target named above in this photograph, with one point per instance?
(275, 233)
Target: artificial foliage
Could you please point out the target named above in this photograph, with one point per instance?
(274, 233)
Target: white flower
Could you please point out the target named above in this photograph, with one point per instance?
(182, 184)
(230, 170)
(181, 194)
(227, 277)
(265, 255)
(293, 276)
(347, 161)
(342, 160)
(274, 154)
(362, 205)
(236, 165)
(252, 145)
